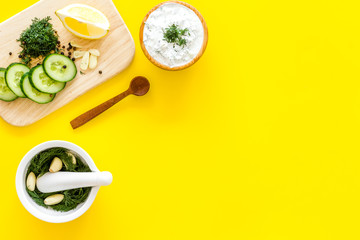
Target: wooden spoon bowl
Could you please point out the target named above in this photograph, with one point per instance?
(139, 86)
(194, 60)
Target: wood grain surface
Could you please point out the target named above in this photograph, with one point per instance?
(117, 51)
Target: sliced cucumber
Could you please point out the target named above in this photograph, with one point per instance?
(5, 93)
(59, 67)
(40, 81)
(13, 75)
(34, 94)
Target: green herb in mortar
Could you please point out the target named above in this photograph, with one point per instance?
(173, 34)
(40, 165)
(39, 39)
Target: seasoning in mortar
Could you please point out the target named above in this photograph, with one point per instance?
(173, 34)
(54, 160)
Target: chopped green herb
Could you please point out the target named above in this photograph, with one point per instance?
(40, 164)
(173, 34)
(39, 39)
(82, 73)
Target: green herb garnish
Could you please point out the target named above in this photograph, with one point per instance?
(173, 34)
(40, 165)
(39, 39)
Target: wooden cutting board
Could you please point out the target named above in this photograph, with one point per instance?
(117, 51)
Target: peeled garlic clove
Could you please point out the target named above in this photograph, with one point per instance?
(94, 52)
(92, 61)
(74, 44)
(56, 165)
(85, 61)
(73, 158)
(31, 181)
(79, 54)
(53, 199)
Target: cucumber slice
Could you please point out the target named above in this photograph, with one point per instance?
(41, 82)
(13, 75)
(5, 93)
(34, 94)
(59, 67)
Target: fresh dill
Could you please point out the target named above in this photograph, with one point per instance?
(173, 34)
(39, 39)
(40, 164)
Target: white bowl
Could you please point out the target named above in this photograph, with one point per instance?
(45, 214)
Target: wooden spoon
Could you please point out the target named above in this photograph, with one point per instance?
(139, 86)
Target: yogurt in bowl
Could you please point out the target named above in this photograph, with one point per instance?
(173, 35)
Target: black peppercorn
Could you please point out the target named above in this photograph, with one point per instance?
(64, 66)
(63, 46)
(100, 72)
(10, 53)
(74, 48)
(20, 56)
(62, 53)
(73, 59)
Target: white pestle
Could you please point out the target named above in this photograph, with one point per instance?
(59, 181)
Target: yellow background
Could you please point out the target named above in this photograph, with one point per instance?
(258, 140)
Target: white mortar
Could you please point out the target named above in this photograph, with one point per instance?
(46, 214)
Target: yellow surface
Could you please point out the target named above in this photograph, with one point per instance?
(258, 140)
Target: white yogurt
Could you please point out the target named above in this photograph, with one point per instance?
(164, 52)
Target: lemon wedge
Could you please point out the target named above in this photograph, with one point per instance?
(84, 21)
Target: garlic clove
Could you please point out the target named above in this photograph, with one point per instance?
(94, 52)
(56, 165)
(73, 158)
(53, 199)
(74, 44)
(92, 61)
(31, 181)
(85, 61)
(79, 54)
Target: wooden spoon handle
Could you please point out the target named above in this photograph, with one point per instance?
(92, 113)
